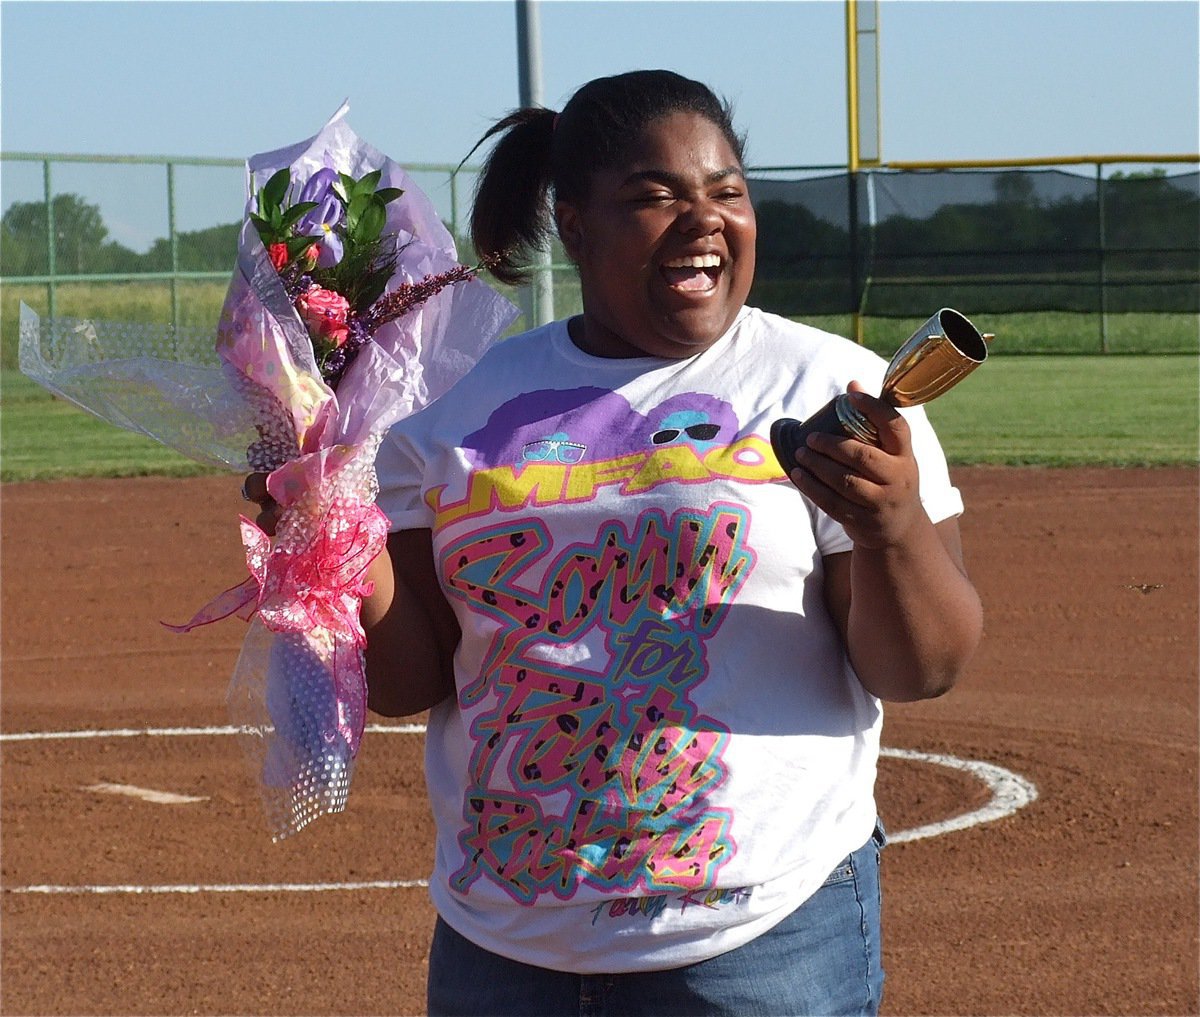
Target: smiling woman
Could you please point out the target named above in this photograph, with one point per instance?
(655, 664)
(679, 210)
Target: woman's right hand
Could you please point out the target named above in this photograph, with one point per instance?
(411, 630)
(254, 489)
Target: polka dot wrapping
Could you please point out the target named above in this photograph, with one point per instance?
(298, 691)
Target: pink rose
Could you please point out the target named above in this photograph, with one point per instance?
(278, 255)
(311, 254)
(325, 314)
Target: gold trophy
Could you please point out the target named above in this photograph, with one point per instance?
(936, 357)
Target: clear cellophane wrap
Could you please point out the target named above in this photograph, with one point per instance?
(255, 401)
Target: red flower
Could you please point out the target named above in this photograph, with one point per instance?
(278, 255)
(325, 314)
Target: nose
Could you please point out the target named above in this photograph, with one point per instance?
(702, 218)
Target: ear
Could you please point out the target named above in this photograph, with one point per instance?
(570, 228)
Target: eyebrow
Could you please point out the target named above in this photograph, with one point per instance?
(660, 176)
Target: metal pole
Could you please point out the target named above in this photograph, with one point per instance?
(51, 260)
(1103, 268)
(173, 242)
(538, 301)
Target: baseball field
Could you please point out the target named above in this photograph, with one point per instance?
(1044, 814)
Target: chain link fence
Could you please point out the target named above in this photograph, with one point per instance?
(1054, 259)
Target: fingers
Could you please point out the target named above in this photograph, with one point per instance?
(872, 490)
(892, 428)
(254, 489)
(840, 472)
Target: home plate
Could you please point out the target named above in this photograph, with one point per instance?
(145, 794)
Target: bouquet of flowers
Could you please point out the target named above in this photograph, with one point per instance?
(347, 311)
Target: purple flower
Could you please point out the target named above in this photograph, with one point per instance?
(319, 185)
(320, 221)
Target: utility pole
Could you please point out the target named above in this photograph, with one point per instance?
(537, 301)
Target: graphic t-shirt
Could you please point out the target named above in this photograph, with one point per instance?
(658, 748)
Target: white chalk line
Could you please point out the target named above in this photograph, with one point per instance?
(146, 794)
(1010, 792)
(175, 732)
(196, 888)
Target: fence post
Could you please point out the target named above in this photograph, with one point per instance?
(51, 261)
(1102, 267)
(856, 318)
(173, 241)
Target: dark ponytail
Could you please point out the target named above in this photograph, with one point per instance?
(543, 156)
(511, 218)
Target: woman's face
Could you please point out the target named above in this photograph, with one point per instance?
(664, 244)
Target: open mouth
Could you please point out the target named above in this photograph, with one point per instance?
(695, 274)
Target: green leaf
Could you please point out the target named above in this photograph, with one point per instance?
(370, 181)
(267, 231)
(370, 221)
(389, 194)
(276, 188)
(297, 245)
(354, 210)
(296, 212)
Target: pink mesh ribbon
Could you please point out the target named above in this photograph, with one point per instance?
(300, 686)
(321, 585)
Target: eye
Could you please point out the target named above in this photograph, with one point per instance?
(654, 198)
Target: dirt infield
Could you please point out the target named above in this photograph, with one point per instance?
(1083, 902)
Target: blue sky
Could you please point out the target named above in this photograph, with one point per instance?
(960, 79)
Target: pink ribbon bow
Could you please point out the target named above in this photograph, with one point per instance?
(318, 587)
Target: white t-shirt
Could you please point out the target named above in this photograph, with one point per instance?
(658, 749)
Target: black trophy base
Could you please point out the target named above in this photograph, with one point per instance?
(789, 435)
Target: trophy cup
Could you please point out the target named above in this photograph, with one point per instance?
(936, 357)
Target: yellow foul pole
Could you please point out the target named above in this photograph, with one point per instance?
(852, 83)
(862, 117)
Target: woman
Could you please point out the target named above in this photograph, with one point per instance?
(655, 669)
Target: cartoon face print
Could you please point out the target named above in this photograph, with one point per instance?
(556, 427)
(570, 427)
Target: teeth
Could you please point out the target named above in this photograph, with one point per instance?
(696, 261)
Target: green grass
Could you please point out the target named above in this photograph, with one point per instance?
(44, 438)
(1029, 332)
(1030, 410)
(1073, 411)
(1044, 332)
(1037, 408)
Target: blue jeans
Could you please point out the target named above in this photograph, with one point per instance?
(823, 959)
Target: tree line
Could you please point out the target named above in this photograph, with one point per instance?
(83, 245)
(1151, 223)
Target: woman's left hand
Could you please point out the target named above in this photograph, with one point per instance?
(873, 492)
(908, 614)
